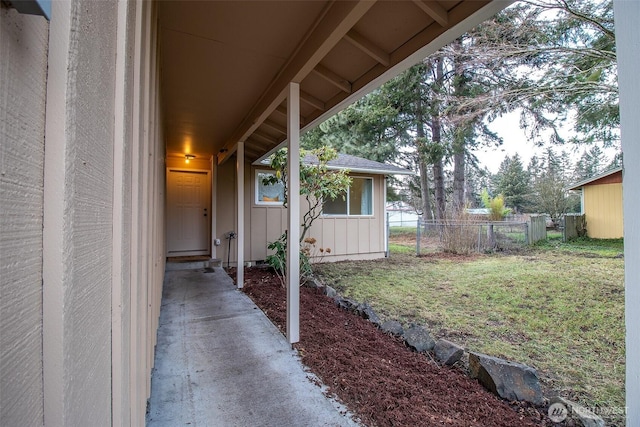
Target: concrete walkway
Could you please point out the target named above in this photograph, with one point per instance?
(221, 362)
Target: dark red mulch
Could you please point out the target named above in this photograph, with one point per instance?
(375, 375)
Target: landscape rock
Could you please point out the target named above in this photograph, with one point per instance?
(418, 338)
(509, 380)
(330, 292)
(346, 303)
(392, 327)
(314, 283)
(447, 352)
(582, 414)
(366, 312)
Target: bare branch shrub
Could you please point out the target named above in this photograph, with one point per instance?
(459, 233)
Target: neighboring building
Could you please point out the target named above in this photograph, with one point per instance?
(402, 214)
(601, 201)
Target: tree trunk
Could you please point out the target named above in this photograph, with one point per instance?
(438, 182)
(460, 134)
(436, 136)
(458, 179)
(422, 162)
(424, 189)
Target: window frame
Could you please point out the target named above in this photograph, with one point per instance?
(257, 184)
(348, 214)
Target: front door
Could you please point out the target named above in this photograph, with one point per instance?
(188, 213)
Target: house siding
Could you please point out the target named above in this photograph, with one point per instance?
(603, 210)
(23, 67)
(347, 237)
(82, 213)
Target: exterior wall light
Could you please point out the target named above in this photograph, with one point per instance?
(188, 157)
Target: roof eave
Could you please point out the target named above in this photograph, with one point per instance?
(578, 186)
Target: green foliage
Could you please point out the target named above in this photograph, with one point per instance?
(512, 181)
(278, 259)
(495, 206)
(317, 184)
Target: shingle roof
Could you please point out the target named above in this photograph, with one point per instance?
(358, 164)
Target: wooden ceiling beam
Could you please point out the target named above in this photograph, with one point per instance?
(251, 151)
(329, 28)
(283, 112)
(265, 137)
(274, 126)
(312, 100)
(434, 10)
(366, 46)
(331, 77)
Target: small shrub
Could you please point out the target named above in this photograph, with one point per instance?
(308, 254)
(495, 206)
(459, 234)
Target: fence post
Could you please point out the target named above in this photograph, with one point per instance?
(418, 238)
(388, 252)
(491, 236)
(526, 234)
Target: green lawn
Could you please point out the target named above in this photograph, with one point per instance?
(558, 307)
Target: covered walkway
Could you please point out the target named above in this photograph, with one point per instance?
(220, 362)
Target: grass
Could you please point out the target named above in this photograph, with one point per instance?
(558, 308)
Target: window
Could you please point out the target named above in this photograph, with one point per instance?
(268, 194)
(358, 201)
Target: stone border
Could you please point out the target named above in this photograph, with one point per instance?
(509, 380)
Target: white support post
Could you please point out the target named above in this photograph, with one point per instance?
(293, 212)
(627, 15)
(240, 231)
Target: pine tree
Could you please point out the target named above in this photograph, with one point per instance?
(513, 183)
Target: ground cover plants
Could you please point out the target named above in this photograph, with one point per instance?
(558, 307)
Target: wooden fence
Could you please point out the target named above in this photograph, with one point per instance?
(575, 225)
(537, 228)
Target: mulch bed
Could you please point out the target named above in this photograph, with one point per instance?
(375, 375)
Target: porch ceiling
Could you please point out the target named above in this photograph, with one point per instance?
(225, 65)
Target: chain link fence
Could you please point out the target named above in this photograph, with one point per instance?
(467, 237)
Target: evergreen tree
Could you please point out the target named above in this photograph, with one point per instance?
(513, 183)
(590, 164)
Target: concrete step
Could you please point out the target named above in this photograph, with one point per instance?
(193, 265)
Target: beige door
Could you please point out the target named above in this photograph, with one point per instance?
(188, 213)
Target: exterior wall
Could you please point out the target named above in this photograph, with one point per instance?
(225, 209)
(603, 209)
(267, 222)
(77, 214)
(354, 237)
(627, 16)
(347, 237)
(81, 213)
(23, 68)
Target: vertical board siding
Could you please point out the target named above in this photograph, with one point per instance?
(603, 209)
(87, 263)
(537, 228)
(23, 67)
(357, 237)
